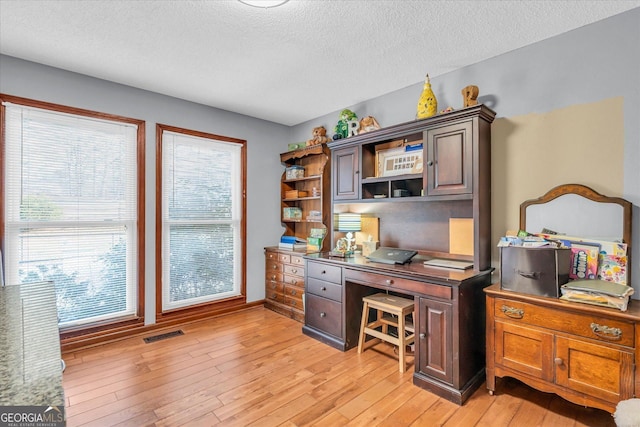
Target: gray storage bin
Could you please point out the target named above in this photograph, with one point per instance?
(536, 271)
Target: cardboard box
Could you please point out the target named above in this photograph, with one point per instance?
(536, 271)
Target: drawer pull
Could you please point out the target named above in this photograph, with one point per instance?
(294, 271)
(529, 274)
(275, 267)
(324, 288)
(293, 292)
(606, 332)
(294, 281)
(293, 303)
(389, 282)
(423, 336)
(323, 272)
(558, 361)
(515, 313)
(323, 314)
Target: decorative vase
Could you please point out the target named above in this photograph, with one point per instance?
(427, 104)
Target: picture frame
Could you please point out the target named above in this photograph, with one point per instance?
(398, 161)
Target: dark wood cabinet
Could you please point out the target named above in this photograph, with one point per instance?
(435, 339)
(346, 175)
(449, 160)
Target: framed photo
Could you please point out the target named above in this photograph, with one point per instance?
(398, 161)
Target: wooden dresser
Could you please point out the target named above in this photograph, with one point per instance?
(587, 354)
(284, 282)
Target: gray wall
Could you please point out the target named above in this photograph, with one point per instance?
(589, 64)
(264, 141)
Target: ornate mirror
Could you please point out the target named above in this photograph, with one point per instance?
(577, 210)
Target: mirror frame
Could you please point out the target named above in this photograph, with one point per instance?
(588, 193)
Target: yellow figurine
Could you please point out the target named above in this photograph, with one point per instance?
(427, 104)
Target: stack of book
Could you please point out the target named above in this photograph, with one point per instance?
(292, 243)
(598, 292)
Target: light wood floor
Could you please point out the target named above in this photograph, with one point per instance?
(257, 368)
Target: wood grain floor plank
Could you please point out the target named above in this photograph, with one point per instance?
(255, 367)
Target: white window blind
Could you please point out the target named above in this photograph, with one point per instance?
(201, 220)
(71, 210)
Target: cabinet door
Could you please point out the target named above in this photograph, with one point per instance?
(524, 350)
(346, 179)
(597, 370)
(449, 161)
(435, 355)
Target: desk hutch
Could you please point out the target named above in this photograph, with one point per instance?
(452, 181)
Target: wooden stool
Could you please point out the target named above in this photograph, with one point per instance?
(387, 306)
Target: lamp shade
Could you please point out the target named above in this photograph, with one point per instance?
(348, 222)
(265, 4)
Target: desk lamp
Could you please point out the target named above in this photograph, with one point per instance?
(347, 223)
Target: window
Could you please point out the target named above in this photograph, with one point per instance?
(202, 218)
(71, 208)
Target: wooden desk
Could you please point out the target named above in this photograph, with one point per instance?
(449, 315)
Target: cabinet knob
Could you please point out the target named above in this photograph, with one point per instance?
(275, 267)
(430, 163)
(323, 272)
(293, 303)
(323, 314)
(324, 288)
(294, 271)
(423, 336)
(558, 361)
(389, 282)
(293, 292)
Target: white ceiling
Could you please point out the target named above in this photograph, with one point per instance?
(289, 64)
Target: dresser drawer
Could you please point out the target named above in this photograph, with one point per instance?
(293, 291)
(386, 282)
(273, 276)
(275, 293)
(324, 314)
(294, 280)
(584, 325)
(329, 273)
(271, 256)
(293, 297)
(273, 266)
(295, 270)
(273, 286)
(286, 258)
(324, 289)
(297, 260)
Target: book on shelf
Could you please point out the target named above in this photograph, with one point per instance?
(292, 239)
(292, 246)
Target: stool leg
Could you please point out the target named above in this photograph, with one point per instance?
(363, 324)
(401, 344)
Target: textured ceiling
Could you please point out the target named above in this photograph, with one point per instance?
(288, 64)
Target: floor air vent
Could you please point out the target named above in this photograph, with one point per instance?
(163, 336)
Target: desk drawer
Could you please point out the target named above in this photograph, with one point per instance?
(399, 285)
(293, 296)
(329, 273)
(598, 328)
(325, 289)
(324, 314)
